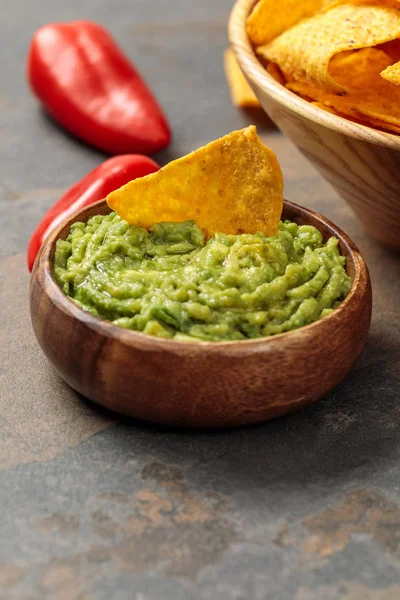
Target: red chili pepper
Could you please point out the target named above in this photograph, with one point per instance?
(90, 87)
(107, 177)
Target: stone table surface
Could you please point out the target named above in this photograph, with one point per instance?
(306, 507)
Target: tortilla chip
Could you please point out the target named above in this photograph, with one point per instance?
(360, 119)
(392, 74)
(370, 98)
(241, 93)
(304, 52)
(268, 20)
(328, 109)
(332, 111)
(233, 185)
(329, 4)
(276, 73)
(389, 127)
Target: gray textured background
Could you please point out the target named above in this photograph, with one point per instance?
(306, 507)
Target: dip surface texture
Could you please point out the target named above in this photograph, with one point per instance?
(170, 282)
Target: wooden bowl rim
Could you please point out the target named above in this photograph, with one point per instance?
(43, 267)
(254, 71)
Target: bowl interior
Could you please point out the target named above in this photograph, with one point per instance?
(260, 78)
(355, 265)
(291, 211)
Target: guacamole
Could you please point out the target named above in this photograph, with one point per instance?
(170, 282)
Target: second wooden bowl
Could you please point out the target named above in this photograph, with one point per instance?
(361, 163)
(197, 384)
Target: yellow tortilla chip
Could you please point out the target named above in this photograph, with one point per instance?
(359, 119)
(329, 109)
(233, 185)
(392, 74)
(304, 52)
(329, 4)
(241, 93)
(370, 98)
(390, 127)
(269, 18)
(276, 73)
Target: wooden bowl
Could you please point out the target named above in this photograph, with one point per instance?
(199, 384)
(361, 163)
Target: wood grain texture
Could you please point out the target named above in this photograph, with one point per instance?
(361, 163)
(200, 384)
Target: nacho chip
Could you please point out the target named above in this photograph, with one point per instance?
(233, 185)
(268, 20)
(392, 74)
(370, 98)
(390, 127)
(304, 52)
(276, 73)
(328, 109)
(241, 93)
(329, 4)
(359, 119)
(333, 111)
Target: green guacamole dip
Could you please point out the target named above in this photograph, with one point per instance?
(171, 283)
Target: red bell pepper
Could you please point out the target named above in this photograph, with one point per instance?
(90, 87)
(107, 177)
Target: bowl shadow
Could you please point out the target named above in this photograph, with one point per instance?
(352, 429)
